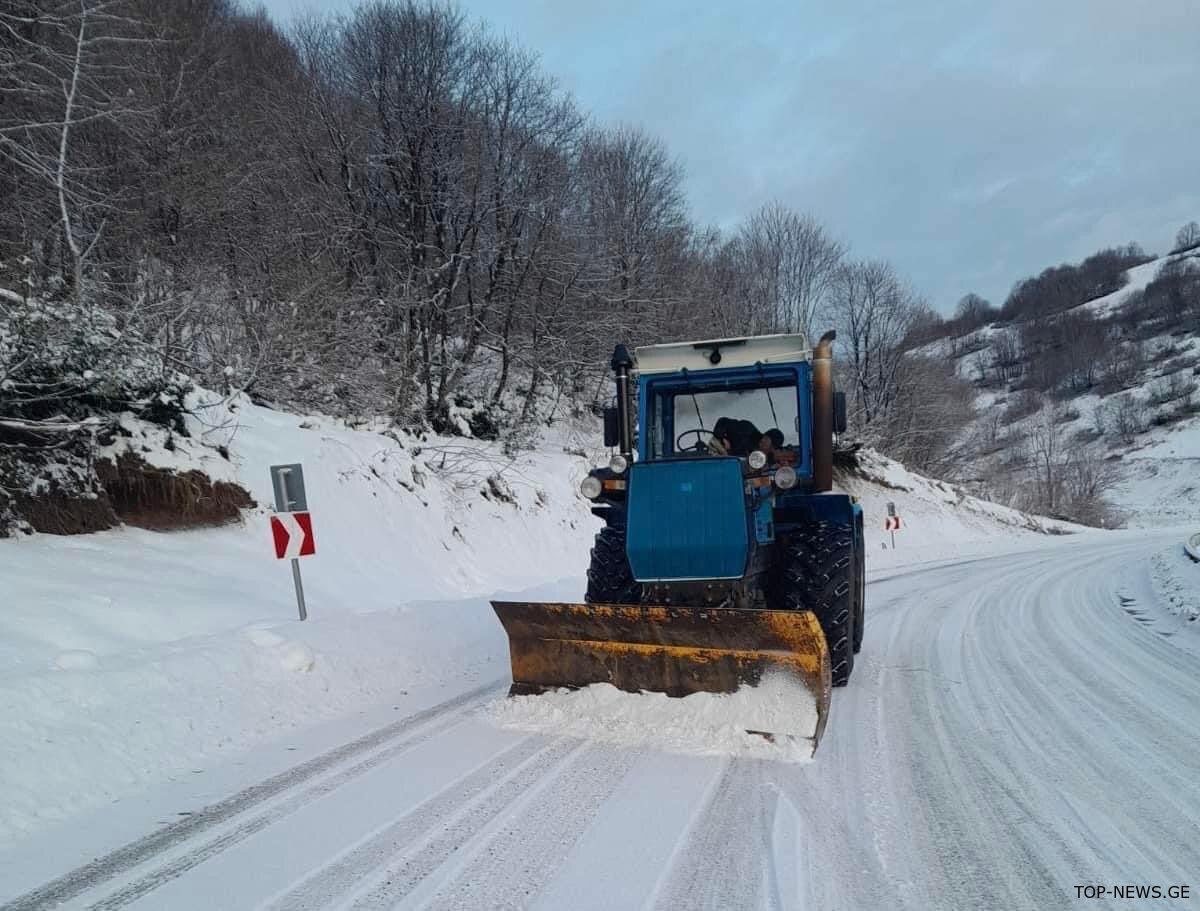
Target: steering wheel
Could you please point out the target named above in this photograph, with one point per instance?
(701, 445)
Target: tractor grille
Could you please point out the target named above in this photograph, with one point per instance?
(687, 520)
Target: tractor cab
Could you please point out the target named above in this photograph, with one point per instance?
(722, 397)
(727, 397)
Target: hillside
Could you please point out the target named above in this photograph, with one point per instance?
(1092, 410)
(176, 650)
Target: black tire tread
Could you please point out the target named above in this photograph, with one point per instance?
(816, 573)
(609, 578)
(860, 599)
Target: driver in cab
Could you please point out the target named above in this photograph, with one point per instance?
(734, 437)
(740, 438)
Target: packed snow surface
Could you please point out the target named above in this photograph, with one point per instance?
(707, 724)
(1018, 724)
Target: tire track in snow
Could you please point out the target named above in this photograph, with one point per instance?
(1052, 731)
(210, 849)
(135, 853)
(991, 851)
(787, 874)
(511, 772)
(727, 861)
(1096, 720)
(507, 864)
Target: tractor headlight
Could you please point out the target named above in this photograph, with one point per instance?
(757, 459)
(617, 464)
(591, 487)
(785, 477)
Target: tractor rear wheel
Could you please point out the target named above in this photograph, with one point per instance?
(610, 580)
(860, 589)
(816, 573)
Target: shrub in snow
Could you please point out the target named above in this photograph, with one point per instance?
(1171, 389)
(1128, 416)
(1026, 403)
(497, 488)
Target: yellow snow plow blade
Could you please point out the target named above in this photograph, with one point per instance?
(672, 650)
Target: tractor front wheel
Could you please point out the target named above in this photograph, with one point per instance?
(610, 580)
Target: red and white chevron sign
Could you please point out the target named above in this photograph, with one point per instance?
(891, 523)
(293, 535)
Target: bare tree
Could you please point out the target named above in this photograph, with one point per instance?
(61, 78)
(931, 408)
(1006, 354)
(1067, 482)
(1086, 481)
(971, 312)
(634, 210)
(1187, 238)
(1045, 454)
(1120, 365)
(1125, 415)
(789, 261)
(873, 311)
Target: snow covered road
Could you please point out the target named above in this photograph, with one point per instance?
(1017, 726)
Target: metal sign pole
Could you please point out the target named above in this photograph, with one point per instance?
(286, 502)
(300, 588)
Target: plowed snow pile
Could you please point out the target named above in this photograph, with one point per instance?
(707, 724)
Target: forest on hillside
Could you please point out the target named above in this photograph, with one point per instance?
(1076, 370)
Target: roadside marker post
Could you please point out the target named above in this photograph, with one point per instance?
(291, 526)
(892, 522)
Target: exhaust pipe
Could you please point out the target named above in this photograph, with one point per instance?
(822, 431)
(622, 363)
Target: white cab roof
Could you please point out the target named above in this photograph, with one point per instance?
(734, 352)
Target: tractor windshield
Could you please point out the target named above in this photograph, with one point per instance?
(688, 420)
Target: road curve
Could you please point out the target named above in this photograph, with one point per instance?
(1017, 727)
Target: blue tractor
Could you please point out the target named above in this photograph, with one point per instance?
(724, 553)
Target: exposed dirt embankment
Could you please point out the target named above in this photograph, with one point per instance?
(133, 492)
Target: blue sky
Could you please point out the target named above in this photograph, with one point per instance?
(971, 144)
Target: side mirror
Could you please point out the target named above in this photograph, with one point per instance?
(612, 427)
(839, 412)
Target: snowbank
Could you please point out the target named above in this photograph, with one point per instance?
(88, 729)
(1176, 578)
